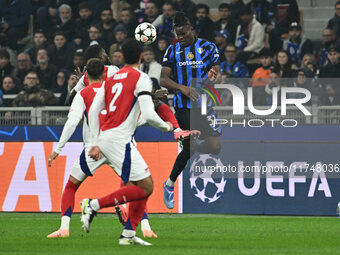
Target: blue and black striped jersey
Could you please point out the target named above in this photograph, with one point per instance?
(190, 65)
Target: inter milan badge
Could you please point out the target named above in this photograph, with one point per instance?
(190, 56)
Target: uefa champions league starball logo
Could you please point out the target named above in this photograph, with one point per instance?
(208, 185)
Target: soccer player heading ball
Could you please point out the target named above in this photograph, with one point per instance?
(190, 61)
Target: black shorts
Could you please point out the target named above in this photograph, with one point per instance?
(192, 119)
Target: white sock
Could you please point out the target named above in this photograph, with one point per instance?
(177, 129)
(170, 183)
(95, 204)
(128, 233)
(145, 224)
(65, 222)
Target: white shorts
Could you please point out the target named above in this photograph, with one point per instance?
(124, 158)
(86, 166)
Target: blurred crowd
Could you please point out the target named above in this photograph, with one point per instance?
(43, 42)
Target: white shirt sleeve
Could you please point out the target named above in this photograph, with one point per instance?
(112, 70)
(146, 105)
(97, 106)
(80, 85)
(75, 114)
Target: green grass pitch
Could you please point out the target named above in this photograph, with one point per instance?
(25, 233)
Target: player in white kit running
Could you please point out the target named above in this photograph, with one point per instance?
(125, 96)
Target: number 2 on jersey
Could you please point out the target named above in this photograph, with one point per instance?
(116, 89)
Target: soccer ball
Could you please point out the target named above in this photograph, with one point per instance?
(145, 33)
(208, 186)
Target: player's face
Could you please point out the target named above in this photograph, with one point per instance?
(106, 16)
(282, 58)
(168, 11)
(39, 39)
(337, 10)
(230, 54)
(201, 14)
(59, 41)
(185, 35)
(224, 13)
(333, 57)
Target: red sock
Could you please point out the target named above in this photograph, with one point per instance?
(67, 199)
(166, 114)
(122, 195)
(136, 211)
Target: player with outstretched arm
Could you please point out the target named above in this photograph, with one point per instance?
(185, 66)
(125, 96)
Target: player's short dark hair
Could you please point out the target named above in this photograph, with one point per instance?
(4, 54)
(84, 5)
(132, 50)
(202, 6)
(169, 3)
(181, 20)
(59, 33)
(148, 48)
(93, 52)
(224, 6)
(231, 45)
(337, 3)
(95, 68)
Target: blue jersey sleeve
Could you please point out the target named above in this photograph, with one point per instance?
(168, 59)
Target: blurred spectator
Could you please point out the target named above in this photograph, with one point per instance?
(163, 23)
(128, 21)
(99, 5)
(10, 85)
(331, 71)
(62, 78)
(60, 53)
(95, 37)
(71, 83)
(203, 24)
(46, 18)
(225, 22)
(282, 14)
(260, 77)
(46, 71)
(186, 6)
(273, 82)
(151, 12)
(14, 16)
(5, 66)
(334, 23)
(328, 38)
(308, 61)
(39, 41)
(24, 66)
(236, 6)
(284, 66)
(107, 26)
(249, 35)
(260, 8)
(120, 35)
(162, 45)
(78, 60)
(117, 59)
(33, 95)
(151, 66)
(67, 25)
(3, 46)
(221, 41)
(231, 68)
(85, 20)
(297, 45)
